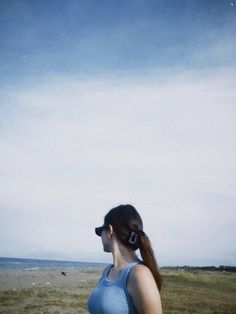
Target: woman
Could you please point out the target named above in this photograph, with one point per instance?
(130, 285)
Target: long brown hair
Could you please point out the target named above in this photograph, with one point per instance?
(128, 226)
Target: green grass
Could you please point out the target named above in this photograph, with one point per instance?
(43, 300)
(188, 291)
(198, 292)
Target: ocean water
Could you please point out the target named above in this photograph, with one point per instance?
(25, 263)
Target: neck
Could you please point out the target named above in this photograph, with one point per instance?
(122, 255)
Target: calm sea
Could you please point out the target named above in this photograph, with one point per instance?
(23, 263)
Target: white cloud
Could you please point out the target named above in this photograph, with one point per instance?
(71, 149)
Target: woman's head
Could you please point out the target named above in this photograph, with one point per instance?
(126, 223)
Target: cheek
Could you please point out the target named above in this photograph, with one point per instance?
(106, 244)
(104, 236)
(104, 241)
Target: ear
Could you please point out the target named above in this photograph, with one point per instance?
(110, 230)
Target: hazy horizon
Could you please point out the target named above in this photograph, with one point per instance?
(105, 261)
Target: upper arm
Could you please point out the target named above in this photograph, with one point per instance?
(143, 290)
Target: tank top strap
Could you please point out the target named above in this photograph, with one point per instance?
(126, 274)
(107, 270)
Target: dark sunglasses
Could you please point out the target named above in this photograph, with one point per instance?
(99, 230)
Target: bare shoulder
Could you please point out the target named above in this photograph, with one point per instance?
(141, 269)
(143, 290)
(141, 273)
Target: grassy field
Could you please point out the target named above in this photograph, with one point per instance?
(184, 291)
(205, 292)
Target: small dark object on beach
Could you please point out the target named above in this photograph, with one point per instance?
(63, 273)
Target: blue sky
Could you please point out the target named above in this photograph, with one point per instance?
(115, 102)
(91, 37)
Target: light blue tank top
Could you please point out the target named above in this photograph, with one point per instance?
(112, 296)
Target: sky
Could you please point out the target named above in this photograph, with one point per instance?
(118, 102)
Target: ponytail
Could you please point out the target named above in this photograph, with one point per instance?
(149, 258)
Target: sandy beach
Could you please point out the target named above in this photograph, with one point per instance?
(13, 279)
(46, 290)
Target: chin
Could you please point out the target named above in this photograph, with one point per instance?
(106, 249)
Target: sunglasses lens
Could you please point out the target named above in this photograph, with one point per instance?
(98, 231)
